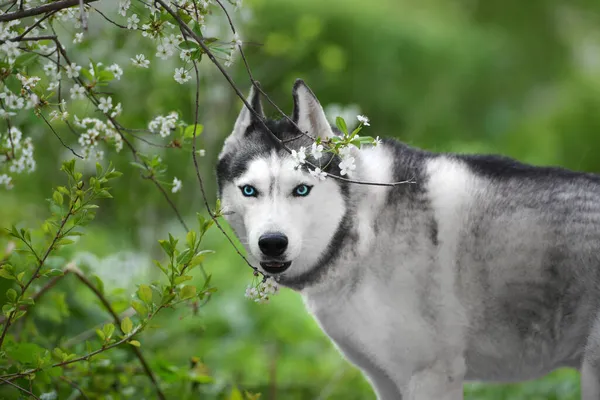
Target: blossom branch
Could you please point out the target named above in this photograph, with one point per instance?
(59, 5)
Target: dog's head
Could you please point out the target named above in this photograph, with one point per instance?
(290, 222)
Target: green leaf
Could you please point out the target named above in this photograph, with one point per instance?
(134, 343)
(126, 325)
(189, 131)
(167, 247)
(181, 279)
(98, 283)
(7, 309)
(188, 45)
(11, 294)
(145, 294)
(235, 394)
(5, 274)
(101, 335)
(185, 257)
(190, 238)
(341, 124)
(140, 308)
(27, 353)
(98, 169)
(58, 198)
(105, 76)
(108, 330)
(187, 292)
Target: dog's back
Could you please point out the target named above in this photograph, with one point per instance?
(528, 267)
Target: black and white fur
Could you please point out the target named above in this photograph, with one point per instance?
(482, 269)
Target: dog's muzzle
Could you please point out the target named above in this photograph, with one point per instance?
(275, 267)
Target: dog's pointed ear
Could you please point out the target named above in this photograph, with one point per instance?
(243, 121)
(247, 117)
(308, 113)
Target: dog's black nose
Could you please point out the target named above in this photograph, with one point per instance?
(273, 244)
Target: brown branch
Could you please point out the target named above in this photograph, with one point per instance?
(59, 5)
(117, 319)
(22, 389)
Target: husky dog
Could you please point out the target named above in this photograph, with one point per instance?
(481, 268)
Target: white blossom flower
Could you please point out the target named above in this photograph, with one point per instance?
(78, 37)
(124, 6)
(164, 52)
(11, 49)
(140, 61)
(105, 104)
(77, 92)
(251, 292)
(176, 185)
(181, 75)
(164, 125)
(117, 111)
(133, 21)
(6, 114)
(363, 119)
(318, 174)
(116, 70)
(299, 156)
(345, 151)
(50, 69)
(73, 70)
(55, 114)
(236, 40)
(347, 165)
(201, 152)
(185, 55)
(316, 151)
(6, 181)
(377, 141)
(53, 85)
(269, 286)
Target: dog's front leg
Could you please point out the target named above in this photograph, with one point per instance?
(441, 381)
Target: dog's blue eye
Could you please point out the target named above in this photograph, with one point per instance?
(301, 190)
(249, 191)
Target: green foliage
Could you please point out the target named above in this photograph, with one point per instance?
(28, 359)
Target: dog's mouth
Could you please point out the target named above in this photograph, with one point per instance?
(275, 267)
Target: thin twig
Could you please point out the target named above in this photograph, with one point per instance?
(58, 137)
(108, 19)
(22, 389)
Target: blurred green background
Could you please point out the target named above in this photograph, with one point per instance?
(518, 78)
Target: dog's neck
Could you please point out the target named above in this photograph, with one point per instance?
(376, 214)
